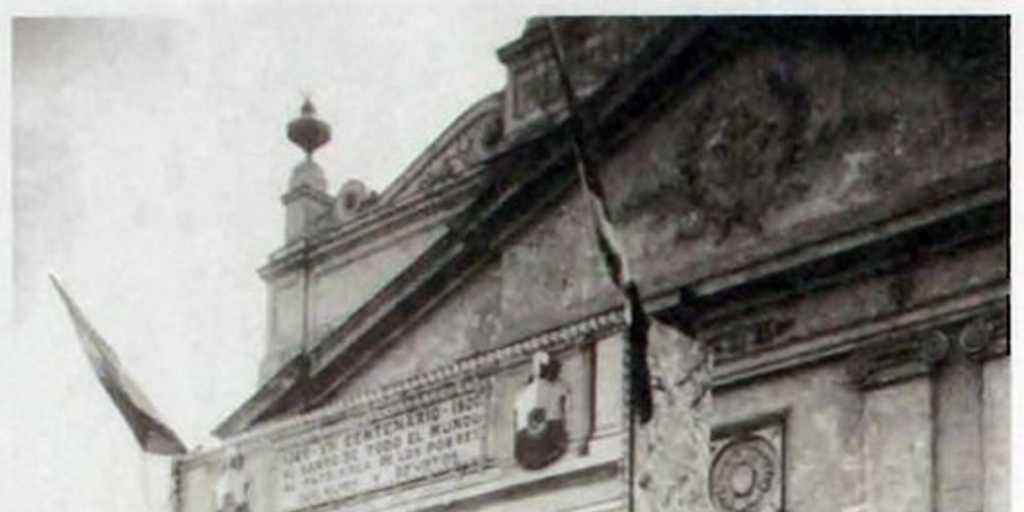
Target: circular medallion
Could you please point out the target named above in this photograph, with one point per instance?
(934, 346)
(743, 475)
(976, 336)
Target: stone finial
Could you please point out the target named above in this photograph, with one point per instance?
(307, 202)
(307, 131)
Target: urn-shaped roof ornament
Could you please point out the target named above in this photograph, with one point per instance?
(307, 131)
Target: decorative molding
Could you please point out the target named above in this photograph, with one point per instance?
(423, 387)
(894, 359)
(901, 289)
(594, 49)
(177, 500)
(747, 472)
(742, 339)
(465, 150)
(468, 141)
(897, 357)
(985, 337)
(739, 159)
(409, 214)
(667, 74)
(848, 339)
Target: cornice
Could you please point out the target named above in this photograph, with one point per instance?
(417, 387)
(527, 177)
(490, 104)
(875, 341)
(881, 351)
(978, 335)
(305, 191)
(521, 178)
(420, 210)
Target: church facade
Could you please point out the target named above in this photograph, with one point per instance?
(822, 203)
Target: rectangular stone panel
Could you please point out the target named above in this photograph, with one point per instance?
(958, 445)
(382, 450)
(898, 447)
(748, 465)
(996, 434)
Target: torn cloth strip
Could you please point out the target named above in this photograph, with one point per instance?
(611, 250)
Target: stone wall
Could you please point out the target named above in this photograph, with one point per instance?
(776, 148)
(869, 392)
(589, 463)
(336, 286)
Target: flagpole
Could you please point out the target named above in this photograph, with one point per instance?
(615, 260)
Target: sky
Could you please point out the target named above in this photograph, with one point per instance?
(148, 152)
(149, 157)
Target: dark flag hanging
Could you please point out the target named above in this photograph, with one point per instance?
(669, 371)
(152, 433)
(611, 250)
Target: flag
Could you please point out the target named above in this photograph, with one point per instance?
(669, 371)
(611, 250)
(151, 432)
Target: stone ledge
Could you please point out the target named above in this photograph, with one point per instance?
(845, 341)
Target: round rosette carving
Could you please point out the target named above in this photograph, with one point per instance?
(976, 336)
(743, 476)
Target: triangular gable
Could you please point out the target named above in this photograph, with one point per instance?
(521, 181)
(536, 176)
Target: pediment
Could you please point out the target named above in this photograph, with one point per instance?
(542, 280)
(775, 149)
(771, 151)
(457, 153)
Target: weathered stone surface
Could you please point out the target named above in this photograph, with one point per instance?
(824, 465)
(608, 392)
(456, 153)
(959, 468)
(898, 447)
(469, 321)
(673, 450)
(948, 274)
(284, 323)
(997, 449)
(770, 143)
(195, 488)
(594, 48)
(553, 268)
(339, 287)
(857, 302)
(336, 288)
(777, 139)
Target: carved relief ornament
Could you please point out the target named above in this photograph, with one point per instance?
(541, 410)
(747, 470)
(899, 357)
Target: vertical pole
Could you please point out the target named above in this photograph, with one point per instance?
(630, 426)
(588, 351)
(613, 258)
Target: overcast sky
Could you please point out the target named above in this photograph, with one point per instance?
(149, 158)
